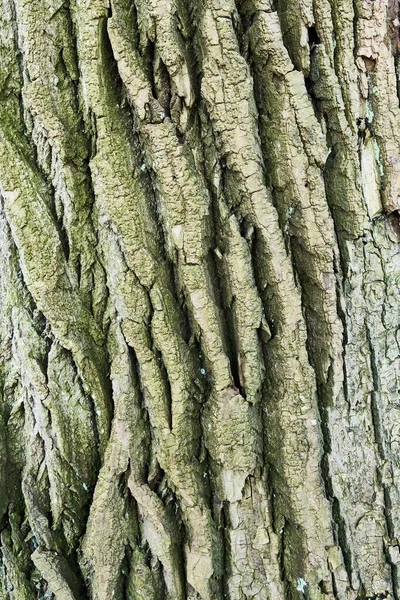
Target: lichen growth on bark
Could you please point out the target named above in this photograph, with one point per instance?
(199, 275)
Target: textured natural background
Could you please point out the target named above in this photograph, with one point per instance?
(199, 299)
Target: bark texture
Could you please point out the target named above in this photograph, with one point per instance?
(199, 284)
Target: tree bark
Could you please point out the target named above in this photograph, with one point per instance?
(199, 283)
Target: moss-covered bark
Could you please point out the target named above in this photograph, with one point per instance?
(199, 282)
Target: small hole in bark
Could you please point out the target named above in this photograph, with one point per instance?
(79, 269)
(123, 482)
(64, 240)
(323, 587)
(308, 83)
(369, 64)
(181, 137)
(393, 226)
(313, 37)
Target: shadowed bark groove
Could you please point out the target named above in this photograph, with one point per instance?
(199, 280)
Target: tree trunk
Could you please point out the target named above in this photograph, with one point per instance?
(199, 284)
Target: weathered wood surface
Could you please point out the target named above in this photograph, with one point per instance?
(199, 299)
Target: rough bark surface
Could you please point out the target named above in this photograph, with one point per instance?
(199, 284)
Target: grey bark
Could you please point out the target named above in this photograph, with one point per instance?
(199, 282)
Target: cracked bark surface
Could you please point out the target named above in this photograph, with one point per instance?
(199, 282)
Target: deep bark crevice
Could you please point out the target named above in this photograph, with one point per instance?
(196, 223)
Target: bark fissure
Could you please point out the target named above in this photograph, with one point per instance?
(199, 354)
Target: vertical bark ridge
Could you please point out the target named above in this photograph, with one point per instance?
(244, 486)
(47, 276)
(235, 128)
(66, 473)
(377, 67)
(371, 188)
(56, 477)
(178, 462)
(298, 186)
(367, 521)
(198, 372)
(297, 19)
(49, 94)
(317, 76)
(373, 200)
(325, 82)
(295, 163)
(186, 235)
(183, 232)
(16, 563)
(125, 459)
(383, 355)
(135, 332)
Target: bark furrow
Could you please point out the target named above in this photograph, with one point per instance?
(199, 275)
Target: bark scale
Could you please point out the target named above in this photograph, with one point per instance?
(199, 280)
